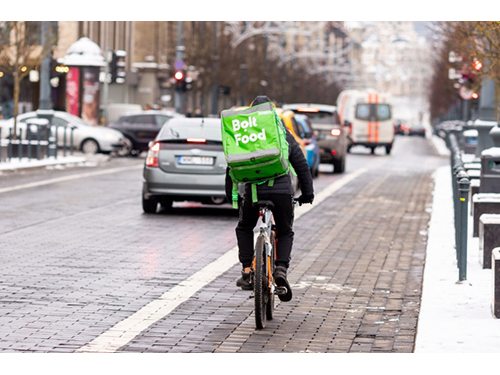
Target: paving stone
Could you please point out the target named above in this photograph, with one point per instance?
(356, 271)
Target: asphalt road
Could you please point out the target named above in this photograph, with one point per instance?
(84, 269)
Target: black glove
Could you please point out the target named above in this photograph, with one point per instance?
(303, 199)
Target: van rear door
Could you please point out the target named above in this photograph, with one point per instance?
(371, 122)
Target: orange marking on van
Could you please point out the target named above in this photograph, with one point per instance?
(342, 108)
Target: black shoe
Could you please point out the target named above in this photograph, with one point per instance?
(280, 279)
(244, 281)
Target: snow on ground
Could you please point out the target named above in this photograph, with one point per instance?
(455, 317)
(16, 164)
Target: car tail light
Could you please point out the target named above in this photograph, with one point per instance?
(196, 140)
(336, 132)
(334, 152)
(152, 157)
(309, 110)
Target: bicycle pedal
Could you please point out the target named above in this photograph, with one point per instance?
(281, 290)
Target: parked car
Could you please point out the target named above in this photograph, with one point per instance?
(140, 128)
(313, 150)
(87, 138)
(185, 162)
(288, 118)
(417, 129)
(330, 134)
(401, 127)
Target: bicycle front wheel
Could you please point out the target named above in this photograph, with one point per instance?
(260, 284)
(270, 270)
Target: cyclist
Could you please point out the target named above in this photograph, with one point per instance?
(281, 194)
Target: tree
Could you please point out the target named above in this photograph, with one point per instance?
(476, 40)
(21, 51)
(442, 94)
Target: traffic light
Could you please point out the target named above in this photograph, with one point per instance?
(179, 76)
(477, 65)
(180, 80)
(117, 66)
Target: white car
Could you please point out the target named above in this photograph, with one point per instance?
(87, 138)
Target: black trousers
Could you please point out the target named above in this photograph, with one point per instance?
(283, 218)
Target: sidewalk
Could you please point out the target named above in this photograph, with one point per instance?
(455, 317)
(16, 164)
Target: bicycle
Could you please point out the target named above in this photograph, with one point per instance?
(263, 266)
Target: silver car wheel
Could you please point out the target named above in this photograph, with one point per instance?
(90, 147)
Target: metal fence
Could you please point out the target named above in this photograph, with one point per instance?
(36, 144)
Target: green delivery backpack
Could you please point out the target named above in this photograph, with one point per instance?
(255, 146)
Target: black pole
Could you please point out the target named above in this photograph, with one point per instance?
(45, 102)
(215, 58)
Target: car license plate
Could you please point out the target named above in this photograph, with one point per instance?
(196, 160)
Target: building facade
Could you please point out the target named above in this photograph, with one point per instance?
(397, 60)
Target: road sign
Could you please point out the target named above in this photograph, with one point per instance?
(179, 65)
(465, 93)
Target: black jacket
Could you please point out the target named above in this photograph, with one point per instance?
(283, 184)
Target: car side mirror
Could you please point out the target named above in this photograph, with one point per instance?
(347, 123)
(150, 144)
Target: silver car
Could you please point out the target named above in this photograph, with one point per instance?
(87, 138)
(185, 162)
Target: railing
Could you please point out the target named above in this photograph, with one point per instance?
(460, 187)
(36, 145)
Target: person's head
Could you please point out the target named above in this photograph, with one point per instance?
(261, 99)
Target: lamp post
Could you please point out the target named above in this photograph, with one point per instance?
(215, 58)
(45, 102)
(178, 56)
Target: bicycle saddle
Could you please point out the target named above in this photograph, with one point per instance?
(262, 204)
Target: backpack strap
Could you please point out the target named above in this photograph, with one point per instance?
(254, 193)
(254, 188)
(234, 195)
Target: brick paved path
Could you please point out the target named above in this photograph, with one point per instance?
(356, 273)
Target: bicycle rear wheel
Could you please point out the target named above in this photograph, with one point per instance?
(260, 285)
(270, 260)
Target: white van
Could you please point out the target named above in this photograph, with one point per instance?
(368, 114)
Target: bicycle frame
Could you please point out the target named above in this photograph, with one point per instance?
(265, 231)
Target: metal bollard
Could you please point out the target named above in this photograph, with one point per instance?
(9, 147)
(57, 141)
(71, 140)
(64, 142)
(28, 136)
(464, 187)
(20, 144)
(461, 174)
(51, 143)
(38, 146)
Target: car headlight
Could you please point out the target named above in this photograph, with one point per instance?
(112, 137)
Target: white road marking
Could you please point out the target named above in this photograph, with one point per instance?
(124, 331)
(68, 178)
